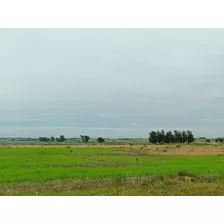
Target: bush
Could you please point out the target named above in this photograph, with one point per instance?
(85, 138)
(183, 173)
(219, 140)
(101, 140)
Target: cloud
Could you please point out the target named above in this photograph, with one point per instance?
(113, 78)
(207, 120)
(219, 119)
(33, 119)
(213, 120)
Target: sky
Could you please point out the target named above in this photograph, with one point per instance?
(111, 82)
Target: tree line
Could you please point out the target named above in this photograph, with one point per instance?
(171, 137)
(154, 137)
(84, 138)
(52, 139)
(219, 140)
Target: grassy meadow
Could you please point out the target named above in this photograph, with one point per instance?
(191, 169)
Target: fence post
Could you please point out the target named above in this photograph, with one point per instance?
(136, 165)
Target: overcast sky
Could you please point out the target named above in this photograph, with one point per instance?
(111, 82)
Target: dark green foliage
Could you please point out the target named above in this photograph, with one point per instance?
(171, 137)
(57, 140)
(163, 136)
(190, 136)
(184, 173)
(62, 138)
(219, 140)
(184, 136)
(153, 137)
(177, 136)
(159, 136)
(85, 138)
(208, 140)
(100, 139)
(52, 139)
(44, 139)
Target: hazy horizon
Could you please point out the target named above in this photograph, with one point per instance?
(111, 82)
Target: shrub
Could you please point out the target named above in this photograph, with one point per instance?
(183, 173)
(219, 140)
(100, 139)
(85, 138)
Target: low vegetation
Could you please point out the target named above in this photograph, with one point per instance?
(162, 170)
(101, 140)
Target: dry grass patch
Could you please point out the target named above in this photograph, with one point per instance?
(183, 185)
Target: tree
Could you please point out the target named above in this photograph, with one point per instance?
(163, 136)
(173, 137)
(184, 136)
(57, 140)
(177, 136)
(208, 140)
(52, 139)
(85, 138)
(159, 136)
(62, 138)
(169, 137)
(153, 137)
(190, 136)
(44, 139)
(100, 139)
(219, 140)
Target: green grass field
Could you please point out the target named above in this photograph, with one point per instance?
(36, 171)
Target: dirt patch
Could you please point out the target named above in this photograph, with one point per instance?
(138, 153)
(140, 150)
(190, 153)
(127, 153)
